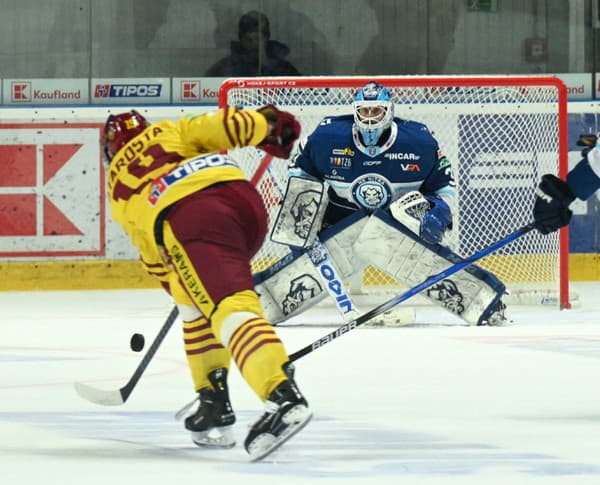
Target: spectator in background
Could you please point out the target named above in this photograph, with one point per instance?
(254, 54)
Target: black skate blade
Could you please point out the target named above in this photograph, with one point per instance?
(283, 440)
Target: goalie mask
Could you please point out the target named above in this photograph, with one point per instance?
(373, 112)
(121, 128)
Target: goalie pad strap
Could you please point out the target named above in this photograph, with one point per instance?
(470, 294)
(301, 213)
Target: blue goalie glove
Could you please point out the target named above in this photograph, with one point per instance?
(436, 221)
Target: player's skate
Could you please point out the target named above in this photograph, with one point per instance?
(211, 424)
(497, 316)
(287, 412)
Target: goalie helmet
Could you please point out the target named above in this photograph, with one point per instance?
(121, 128)
(373, 112)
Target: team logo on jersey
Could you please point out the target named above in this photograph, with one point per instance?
(372, 191)
(156, 191)
(443, 163)
(340, 162)
(343, 151)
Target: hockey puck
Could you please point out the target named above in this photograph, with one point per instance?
(137, 342)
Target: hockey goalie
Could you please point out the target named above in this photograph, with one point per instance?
(371, 189)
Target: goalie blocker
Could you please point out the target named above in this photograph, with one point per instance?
(293, 284)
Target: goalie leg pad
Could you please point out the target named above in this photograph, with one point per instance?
(289, 287)
(301, 213)
(339, 240)
(472, 294)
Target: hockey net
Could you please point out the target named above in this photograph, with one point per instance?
(500, 133)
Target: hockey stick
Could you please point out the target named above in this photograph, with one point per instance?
(409, 293)
(264, 164)
(119, 396)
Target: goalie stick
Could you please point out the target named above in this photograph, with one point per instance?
(410, 293)
(119, 396)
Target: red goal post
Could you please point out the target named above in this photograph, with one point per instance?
(500, 132)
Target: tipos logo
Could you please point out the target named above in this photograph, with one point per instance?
(127, 90)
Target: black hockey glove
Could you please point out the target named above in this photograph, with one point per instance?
(551, 208)
(284, 131)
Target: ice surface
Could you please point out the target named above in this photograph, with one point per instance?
(433, 402)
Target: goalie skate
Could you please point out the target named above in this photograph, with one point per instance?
(286, 413)
(497, 317)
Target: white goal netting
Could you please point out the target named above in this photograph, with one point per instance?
(500, 133)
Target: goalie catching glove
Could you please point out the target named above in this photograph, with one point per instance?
(426, 216)
(551, 208)
(436, 221)
(284, 131)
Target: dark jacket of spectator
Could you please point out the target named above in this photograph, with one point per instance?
(254, 54)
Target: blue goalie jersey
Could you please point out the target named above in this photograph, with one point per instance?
(370, 178)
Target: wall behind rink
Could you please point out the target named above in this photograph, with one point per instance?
(55, 227)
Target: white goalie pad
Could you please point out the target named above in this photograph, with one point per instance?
(469, 294)
(339, 240)
(299, 281)
(301, 213)
(289, 287)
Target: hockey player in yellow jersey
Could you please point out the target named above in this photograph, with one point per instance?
(197, 222)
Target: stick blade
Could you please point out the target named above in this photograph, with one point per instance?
(99, 396)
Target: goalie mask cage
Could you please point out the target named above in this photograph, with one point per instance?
(501, 135)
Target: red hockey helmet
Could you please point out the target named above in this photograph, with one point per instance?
(121, 128)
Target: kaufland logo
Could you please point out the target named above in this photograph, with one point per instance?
(190, 90)
(21, 91)
(194, 91)
(127, 90)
